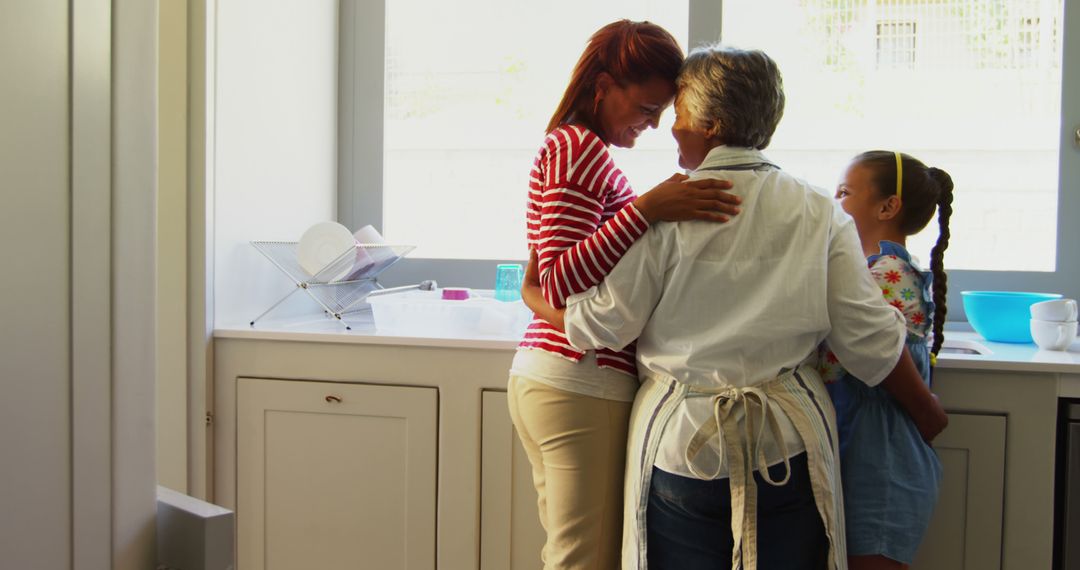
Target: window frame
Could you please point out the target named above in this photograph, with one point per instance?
(360, 158)
(890, 40)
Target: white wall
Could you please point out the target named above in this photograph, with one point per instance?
(35, 374)
(275, 130)
(200, 262)
(172, 254)
(77, 342)
(134, 186)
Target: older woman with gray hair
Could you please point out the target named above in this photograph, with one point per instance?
(732, 458)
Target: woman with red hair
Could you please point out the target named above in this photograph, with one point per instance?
(570, 407)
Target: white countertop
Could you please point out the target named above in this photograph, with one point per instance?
(1007, 356)
(363, 331)
(1001, 356)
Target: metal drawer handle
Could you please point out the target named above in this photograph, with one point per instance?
(333, 399)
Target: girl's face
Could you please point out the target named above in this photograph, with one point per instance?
(694, 142)
(625, 112)
(860, 199)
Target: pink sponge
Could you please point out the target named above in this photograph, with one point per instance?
(454, 294)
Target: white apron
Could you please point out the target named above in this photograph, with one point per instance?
(799, 393)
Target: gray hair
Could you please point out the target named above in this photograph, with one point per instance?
(736, 93)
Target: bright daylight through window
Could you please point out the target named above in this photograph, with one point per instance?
(972, 87)
(468, 95)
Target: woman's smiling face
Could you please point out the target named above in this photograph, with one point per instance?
(625, 112)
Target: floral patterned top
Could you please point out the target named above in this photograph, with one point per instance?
(904, 286)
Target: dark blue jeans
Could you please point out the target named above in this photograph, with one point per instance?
(689, 522)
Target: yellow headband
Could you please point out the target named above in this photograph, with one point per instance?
(899, 175)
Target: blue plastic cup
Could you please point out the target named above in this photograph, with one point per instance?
(508, 277)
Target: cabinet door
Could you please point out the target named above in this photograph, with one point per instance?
(965, 533)
(511, 537)
(334, 475)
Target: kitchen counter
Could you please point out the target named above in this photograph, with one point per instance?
(363, 332)
(996, 511)
(1007, 356)
(994, 355)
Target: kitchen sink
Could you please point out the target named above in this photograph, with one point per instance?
(961, 346)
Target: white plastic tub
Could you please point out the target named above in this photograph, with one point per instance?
(426, 313)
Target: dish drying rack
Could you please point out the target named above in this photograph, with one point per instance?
(343, 285)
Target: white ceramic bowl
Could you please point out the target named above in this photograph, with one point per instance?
(1053, 335)
(1060, 310)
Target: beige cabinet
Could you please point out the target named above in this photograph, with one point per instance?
(510, 533)
(966, 531)
(352, 483)
(335, 475)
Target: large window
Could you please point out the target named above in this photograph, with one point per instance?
(470, 88)
(973, 87)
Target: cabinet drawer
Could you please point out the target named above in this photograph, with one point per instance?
(335, 475)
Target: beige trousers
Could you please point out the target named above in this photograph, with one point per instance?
(577, 447)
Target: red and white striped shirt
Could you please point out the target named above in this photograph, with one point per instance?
(581, 220)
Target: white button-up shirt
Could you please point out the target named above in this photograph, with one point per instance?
(734, 304)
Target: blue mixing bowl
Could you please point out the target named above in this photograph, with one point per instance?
(1002, 316)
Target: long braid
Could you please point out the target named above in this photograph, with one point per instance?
(925, 190)
(937, 254)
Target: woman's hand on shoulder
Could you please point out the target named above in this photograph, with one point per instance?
(677, 199)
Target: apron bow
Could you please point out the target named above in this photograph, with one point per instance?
(741, 457)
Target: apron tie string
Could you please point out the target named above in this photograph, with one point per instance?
(741, 455)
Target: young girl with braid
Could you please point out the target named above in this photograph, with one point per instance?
(890, 475)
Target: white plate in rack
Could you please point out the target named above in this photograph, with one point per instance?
(321, 244)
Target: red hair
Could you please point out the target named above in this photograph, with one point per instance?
(631, 53)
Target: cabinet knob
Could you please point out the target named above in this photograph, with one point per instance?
(333, 399)
(1076, 137)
